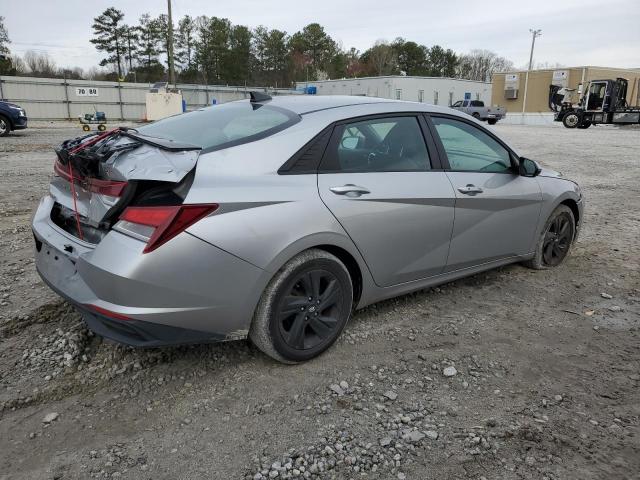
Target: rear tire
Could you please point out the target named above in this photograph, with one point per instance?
(304, 308)
(86, 128)
(102, 127)
(5, 126)
(555, 241)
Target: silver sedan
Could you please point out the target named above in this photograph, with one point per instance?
(275, 218)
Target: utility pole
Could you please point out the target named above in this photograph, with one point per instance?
(534, 34)
(172, 72)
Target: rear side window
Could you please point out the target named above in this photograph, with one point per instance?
(477, 103)
(222, 126)
(393, 144)
(470, 149)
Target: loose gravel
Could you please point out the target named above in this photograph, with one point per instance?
(512, 373)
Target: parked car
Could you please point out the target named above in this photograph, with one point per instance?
(276, 218)
(12, 117)
(477, 110)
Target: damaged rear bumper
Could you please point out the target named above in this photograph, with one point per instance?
(187, 291)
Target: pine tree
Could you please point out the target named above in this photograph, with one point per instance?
(271, 56)
(4, 38)
(185, 43)
(212, 47)
(109, 37)
(149, 48)
(237, 59)
(131, 44)
(6, 65)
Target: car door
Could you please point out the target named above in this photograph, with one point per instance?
(386, 188)
(496, 209)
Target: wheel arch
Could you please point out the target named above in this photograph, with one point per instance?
(352, 266)
(573, 205)
(338, 245)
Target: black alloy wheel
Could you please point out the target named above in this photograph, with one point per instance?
(309, 315)
(304, 308)
(557, 239)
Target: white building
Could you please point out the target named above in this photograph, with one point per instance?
(435, 90)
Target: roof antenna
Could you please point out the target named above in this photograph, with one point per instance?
(257, 97)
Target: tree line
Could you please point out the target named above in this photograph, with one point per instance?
(212, 50)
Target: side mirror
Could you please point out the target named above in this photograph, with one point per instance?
(350, 143)
(529, 168)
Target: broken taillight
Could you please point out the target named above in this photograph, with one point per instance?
(158, 225)
(112, 188)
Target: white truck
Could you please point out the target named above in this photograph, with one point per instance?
(477, 110)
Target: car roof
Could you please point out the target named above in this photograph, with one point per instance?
(338, 104)
(302, 104)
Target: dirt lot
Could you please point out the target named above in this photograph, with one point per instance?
(547, 364)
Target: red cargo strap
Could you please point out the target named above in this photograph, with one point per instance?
(75, 205)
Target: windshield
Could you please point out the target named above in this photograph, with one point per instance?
(222, 126)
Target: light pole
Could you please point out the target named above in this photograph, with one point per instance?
(534, 34)
(172, 71)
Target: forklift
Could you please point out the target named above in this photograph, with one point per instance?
(603, 103)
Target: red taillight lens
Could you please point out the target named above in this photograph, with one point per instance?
(167, 222)
(103, 187)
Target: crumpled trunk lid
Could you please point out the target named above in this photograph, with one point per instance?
(107, 172)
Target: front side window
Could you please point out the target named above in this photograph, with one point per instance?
(457, 104)
(221, 126)
(596, 95)
(470, 149)
(391, 144)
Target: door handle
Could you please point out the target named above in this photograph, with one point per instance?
(470, 189)
(350, 190)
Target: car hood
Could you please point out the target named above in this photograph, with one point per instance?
(547, 172)
(7, 104)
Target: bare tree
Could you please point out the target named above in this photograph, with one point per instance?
(481, 64)
(40, 64)
(18, 64)
(381, 58)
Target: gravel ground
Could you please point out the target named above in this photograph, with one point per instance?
(509, 374)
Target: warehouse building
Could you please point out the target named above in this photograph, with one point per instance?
(435, 90)
(533, 102)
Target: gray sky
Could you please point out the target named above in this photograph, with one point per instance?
(574, 32)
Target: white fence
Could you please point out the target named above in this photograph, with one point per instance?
(56, 99)
(541, 118)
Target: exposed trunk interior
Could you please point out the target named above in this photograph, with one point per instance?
(108, 172)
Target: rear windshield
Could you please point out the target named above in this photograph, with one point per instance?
(222, 126)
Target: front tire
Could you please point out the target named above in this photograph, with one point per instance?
(492, 121)
(5, 126)
(555, 241)
(571, 120)
(304, 308)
